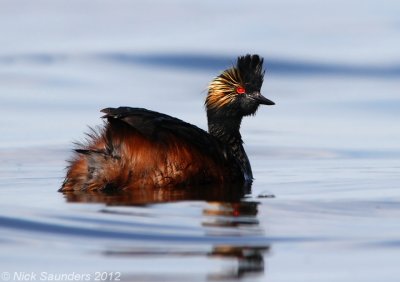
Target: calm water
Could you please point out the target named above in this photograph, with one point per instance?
(328, 151)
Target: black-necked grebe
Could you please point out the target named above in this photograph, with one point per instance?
(138, 148)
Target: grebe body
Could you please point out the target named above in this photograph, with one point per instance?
(139, 148)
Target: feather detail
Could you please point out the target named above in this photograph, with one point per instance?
(247, 74)
(221, 90)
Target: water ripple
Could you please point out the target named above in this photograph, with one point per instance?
(214, 62)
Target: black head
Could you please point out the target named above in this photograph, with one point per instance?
(236, 91)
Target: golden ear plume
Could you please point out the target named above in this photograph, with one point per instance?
(222, 90)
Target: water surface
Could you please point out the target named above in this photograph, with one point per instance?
(328, 151)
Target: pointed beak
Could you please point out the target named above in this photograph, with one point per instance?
(262, 100)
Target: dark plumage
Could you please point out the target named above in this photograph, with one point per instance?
(138, 148)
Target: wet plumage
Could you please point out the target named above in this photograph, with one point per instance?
(138, 148)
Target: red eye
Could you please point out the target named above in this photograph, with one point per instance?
(240, 90)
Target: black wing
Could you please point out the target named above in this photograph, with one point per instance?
(156, 126)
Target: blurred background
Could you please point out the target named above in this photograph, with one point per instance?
(333, 67)
(329, 149)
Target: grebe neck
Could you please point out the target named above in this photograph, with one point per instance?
(227, 130)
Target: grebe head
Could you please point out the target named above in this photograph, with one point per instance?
(237, 90)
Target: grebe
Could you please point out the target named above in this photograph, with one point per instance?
(139, 148)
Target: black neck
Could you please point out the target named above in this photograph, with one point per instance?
(226, 129)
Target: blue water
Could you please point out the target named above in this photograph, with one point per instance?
(326, 201)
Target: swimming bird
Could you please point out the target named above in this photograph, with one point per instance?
(138, 148)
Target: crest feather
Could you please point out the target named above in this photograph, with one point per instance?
(248, 73)
(221, 90)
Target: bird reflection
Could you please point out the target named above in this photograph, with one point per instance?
(226, 214)
(232, 217)
(231, 214)
(151, 196)
(250, 260)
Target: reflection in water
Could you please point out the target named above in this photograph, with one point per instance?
(234, 215)
(225, 215)
(250, 260)
(151, 196)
